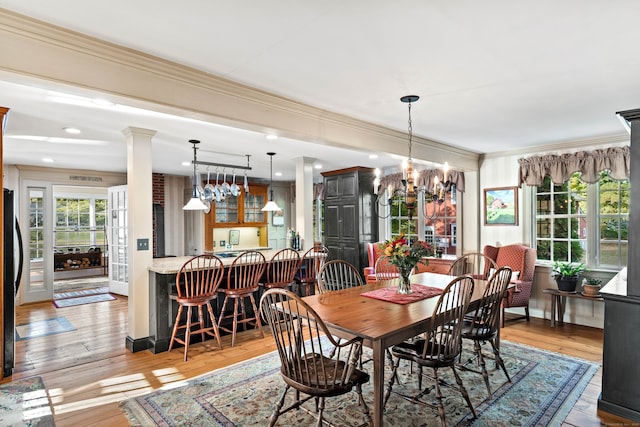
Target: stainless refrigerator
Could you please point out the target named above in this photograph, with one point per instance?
(13, 260)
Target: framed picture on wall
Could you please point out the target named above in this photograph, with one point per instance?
(501, 206)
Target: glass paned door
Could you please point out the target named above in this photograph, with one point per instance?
(118, 241)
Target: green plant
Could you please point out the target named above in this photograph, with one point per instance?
(594, 281)
(567, 269)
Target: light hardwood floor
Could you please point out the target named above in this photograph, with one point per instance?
(88, 371)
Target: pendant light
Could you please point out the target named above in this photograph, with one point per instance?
(271, 206)
(195, 204)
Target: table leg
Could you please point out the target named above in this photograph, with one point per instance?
(378, 382)
(561, 307)
(554, 303)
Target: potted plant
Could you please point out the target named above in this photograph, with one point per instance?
(591, 286)
(566, 275)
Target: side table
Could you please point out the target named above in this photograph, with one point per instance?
(559, 301)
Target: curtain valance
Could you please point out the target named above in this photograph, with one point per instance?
(318, 191)
(425, 178)
(616, 160)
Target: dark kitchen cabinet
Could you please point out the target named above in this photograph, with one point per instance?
(350, 220)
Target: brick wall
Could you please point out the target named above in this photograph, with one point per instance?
(158, 198)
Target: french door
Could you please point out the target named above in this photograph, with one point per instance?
(118, 240)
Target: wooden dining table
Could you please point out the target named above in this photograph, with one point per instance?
(381, 324)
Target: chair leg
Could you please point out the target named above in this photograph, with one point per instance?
(187, 333)
(175, 327)
(526, 311)
(394, 377)
(201, 320)
(441, 411)
(502, 316)
(276, 411)
(257, 315)
(235, 321)
(365, 408)
(214, 325)
(463, 390)
(478, 349)
(499, 361)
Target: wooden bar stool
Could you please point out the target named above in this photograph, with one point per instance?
(282, 268)
(310, 265)
(197, 284)
(243, 279)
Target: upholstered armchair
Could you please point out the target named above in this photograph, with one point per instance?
(522, 260)
(374, 250)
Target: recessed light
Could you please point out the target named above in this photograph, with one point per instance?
(47, 160)
(373, 156)
(317, 166)
(186, 163)
(74, 131)
(271, 137)
(278, 174)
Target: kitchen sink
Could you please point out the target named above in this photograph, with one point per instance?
(227, 254)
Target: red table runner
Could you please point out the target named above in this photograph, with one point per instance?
(420, 292)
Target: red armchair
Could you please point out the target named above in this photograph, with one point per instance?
(521, 259)
(374, 251)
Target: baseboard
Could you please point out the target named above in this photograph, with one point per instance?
(614, 409)
(135, 345)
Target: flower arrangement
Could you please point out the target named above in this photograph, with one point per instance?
(404, 255)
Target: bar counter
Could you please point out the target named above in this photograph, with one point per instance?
(163, 309)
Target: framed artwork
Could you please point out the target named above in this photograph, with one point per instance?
(234, 237)
(501, 206)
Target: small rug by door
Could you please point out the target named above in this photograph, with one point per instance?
(41, 328)
(544, 388)
(25, 403)
(81, 293)
(89, 299)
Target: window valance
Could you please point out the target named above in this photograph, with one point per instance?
(425, 178)
(318, 191)
(616, 160)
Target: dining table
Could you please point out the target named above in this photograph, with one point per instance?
(383, 323)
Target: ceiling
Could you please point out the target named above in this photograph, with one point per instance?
(493, 76)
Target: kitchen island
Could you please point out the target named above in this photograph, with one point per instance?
(163, 309)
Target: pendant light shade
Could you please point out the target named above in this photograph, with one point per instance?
(195, 203)
(271, 206)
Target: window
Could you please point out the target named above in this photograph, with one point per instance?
(36, 225)
(400, 219)
(441, 217)
(581, 222)
(80, 221)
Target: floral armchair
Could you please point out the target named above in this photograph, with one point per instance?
(522, 260)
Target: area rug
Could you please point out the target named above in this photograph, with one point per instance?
(89, 299)
(81, 293)
(41, 328)
(25, 403)
(544, 388)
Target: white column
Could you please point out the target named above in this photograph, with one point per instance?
(304, 200)
(139, 228)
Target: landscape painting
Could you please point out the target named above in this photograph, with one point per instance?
(501, 206)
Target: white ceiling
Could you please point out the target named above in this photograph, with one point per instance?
(493, 76)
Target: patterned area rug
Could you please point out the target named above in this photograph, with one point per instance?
(89, 299)
(544, 388)
(43, 328)
(25, 403)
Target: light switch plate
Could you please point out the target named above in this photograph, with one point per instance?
(143, 244)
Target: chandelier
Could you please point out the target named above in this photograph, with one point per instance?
(410, 175)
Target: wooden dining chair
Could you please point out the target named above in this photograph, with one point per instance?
(338, 274)
(243, 280)
(197, 285)
(483, 324)
(475, 264)
(310, 265)
(282, 269)
(308, 366)
(385, 270)
(439, 347)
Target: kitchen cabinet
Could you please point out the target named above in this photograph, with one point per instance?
(242, 211)
(350, 220)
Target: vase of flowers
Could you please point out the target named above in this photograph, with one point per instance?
(406, 256)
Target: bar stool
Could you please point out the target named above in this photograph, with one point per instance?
(282, 268)
(310, 265)
(197, 284)
(243, 278)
